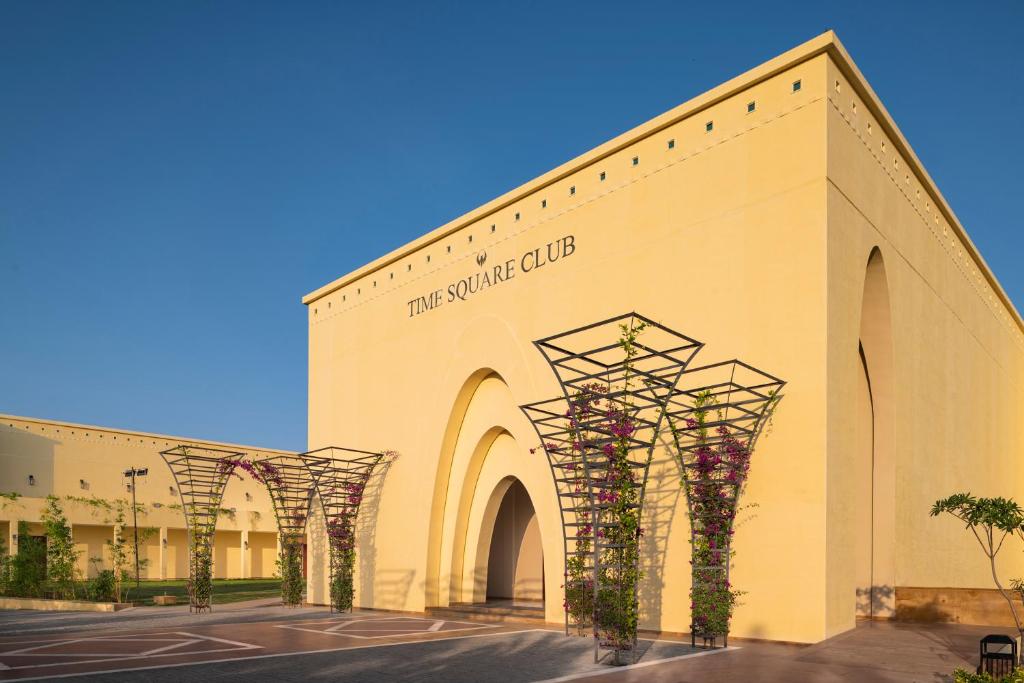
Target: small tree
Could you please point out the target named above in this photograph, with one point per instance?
(61, 555)
(122, 553)
(28, 567)
(991, 520)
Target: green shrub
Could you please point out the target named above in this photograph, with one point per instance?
(5, 569)
(28, 566)
(289, 565)
(962, 676)
(61, 555)
(103, 588)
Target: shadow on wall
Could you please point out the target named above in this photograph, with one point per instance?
(661, 497)
(974, 606)
(875, 599)
(316, 547)
(26, 463)
(527, 590)
(366, 531)
(391, 588)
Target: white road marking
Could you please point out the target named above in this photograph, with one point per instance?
(275, 655)
(190, 638)
(165, 648)
(336, 630)
(244, 646)
(342, 624)
(638, 665)
(599, 672)
(39, 647)
(27, 651)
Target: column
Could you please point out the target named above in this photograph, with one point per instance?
(163, 553)
(12, 537)
(246, 563)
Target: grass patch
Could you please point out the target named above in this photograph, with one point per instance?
(224, 590)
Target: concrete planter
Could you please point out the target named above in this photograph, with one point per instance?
(62, 605)
(165, 600)
(975, 606)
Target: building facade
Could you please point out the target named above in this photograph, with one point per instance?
(83, 467)
(780, 218)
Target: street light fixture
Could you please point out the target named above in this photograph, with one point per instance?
(133, 473)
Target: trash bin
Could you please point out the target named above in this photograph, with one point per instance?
(998, 655)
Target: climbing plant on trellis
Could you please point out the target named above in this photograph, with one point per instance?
(340, 476)
(550, 419)
(716, 415)
(617, 376)
(288, 478)
(200, 475)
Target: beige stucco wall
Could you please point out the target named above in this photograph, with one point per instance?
(713, 236)
(78, 463)
(958, 358)
(752, 237)
(263, 547)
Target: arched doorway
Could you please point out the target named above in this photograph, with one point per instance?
(875, 480)
(515, 564)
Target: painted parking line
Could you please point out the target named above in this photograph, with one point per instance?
(383, 627)
(638, 665)
(28, 652)
(246, 658)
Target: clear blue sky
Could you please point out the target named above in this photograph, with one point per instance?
(175, 175)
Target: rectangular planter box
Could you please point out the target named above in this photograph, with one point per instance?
(975, 606)
(165, 600)
(62, 605)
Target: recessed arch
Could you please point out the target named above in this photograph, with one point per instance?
(514, 562)
(462, 512)
(502, 471)
(874, 417)
(449, 440)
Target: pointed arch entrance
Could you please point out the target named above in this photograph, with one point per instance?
(515, 560)
(875, 532)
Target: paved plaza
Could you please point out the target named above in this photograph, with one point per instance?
(259, 641)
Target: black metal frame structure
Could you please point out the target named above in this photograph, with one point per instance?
(716, 410)
(289, 480)
(606, 381)
(340, 476)
(551, 421)
(200, 475)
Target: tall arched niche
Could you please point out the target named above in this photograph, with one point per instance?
(874, 416)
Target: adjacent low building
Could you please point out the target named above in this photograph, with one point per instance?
(83, 467)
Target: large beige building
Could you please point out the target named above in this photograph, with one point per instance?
(781, 218)
(83, 467)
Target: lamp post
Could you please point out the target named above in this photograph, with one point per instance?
(133, 473)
